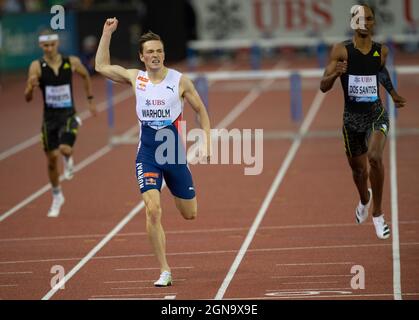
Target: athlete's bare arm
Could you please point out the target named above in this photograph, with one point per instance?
(79, 68)
(189, 93)
(385, 80)
(33, 79)
(336, 66)
(103, 60)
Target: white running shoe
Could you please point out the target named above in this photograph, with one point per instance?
(361, 212)
(165, 279)
(68, 168)
(57, 202)
(381, 228)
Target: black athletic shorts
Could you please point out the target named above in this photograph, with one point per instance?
(59, 127)
(357, 128)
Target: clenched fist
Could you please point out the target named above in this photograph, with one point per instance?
(341, 67)
(110, 25)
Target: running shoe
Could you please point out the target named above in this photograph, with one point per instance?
(165, 279)
(361, 212)
(57, 202)
(381, 228)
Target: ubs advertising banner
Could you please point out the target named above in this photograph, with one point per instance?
(254, 19)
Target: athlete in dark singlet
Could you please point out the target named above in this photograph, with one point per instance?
(360, 64)
(53, 74)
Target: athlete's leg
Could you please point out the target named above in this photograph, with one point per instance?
(377, 143)
(359, 168)
(187, 207)
(154, 227)
(50, 139)
(179, 181)
(356, 152)
(53, 173)
(66, 150)
(50, 143)
(67, 139)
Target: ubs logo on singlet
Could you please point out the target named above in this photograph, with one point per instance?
(155, 102)
(363, 80)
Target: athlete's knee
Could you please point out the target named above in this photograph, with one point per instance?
(189, 213)
(375, 158)
(187, 208)
(52, 162)
(66, 150)
(153, 212)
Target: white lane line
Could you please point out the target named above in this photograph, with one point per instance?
(215, 230)
(131, 288)
(304, 289)
(397, 289)
(314, 108)
(25, 202)
(314, 276)
(126, 298)
(169, 297)
(311, 282)
(133, 295)
(347, 246)
(131, 215)
(90, 255)
(18, 272)
(143, 269)
(324, 296)
(81, 165)
(136, 281)
(92, 158)
(19, 147)
(314, 264)
(133, 256)
(84, 115)
(8, 285)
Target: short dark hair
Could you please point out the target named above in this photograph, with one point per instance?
(149, 36)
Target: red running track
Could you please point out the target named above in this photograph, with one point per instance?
(304, 247)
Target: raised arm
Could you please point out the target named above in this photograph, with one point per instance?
(336, 66)
(385, 80)
(34, 74)
(79, 68)
(192, 97)
(103, 60)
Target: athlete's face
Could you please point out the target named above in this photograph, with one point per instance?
(369, 22)
(153, 54)
(50, 48)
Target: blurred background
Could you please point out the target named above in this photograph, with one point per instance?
(202, 31)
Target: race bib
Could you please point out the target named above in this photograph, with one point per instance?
(362, 88)
(156, 117)
(58, 96)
